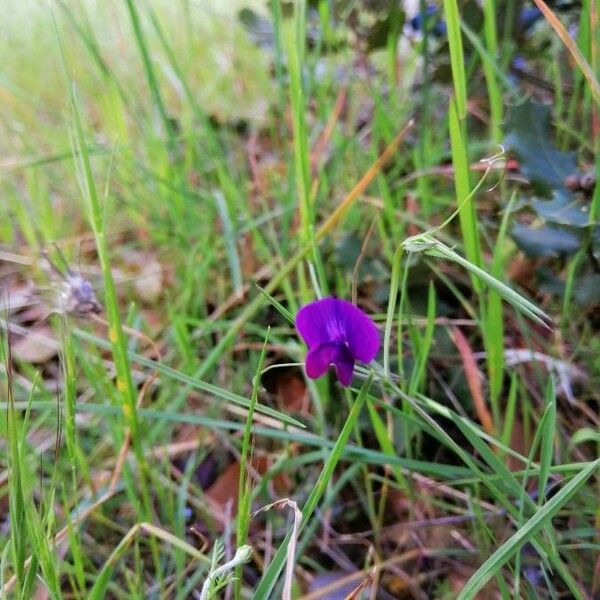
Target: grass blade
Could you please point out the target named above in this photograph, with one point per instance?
(244, 484)
(269, 579)
(456, 56)
(541, 518)
(192, 381)
(462, 184)
(568, 41)
(433, 247)
(230, 242)
(547, 442)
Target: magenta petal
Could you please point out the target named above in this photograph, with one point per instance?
(361, 333)
(338, 354)
(319, 359)
(318, 322)
(344, 364)
(338, 322)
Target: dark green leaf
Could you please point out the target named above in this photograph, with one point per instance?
(545, 241)
(562, 209)
(529, 137)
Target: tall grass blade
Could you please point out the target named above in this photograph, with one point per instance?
(433, 247)
(244, 485)
(568, 41)
(466, 204)
(271, 575)
(547, 441)
(525, 533)
(456, 56)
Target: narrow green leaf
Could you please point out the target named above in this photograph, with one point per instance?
(462, 185)
(244, 484)
(456, 56)
(282, 310)
(385, 443)
(270, 576)
(525, 533)
(229, 237)
(191, 381)
(547, 441)
(391, 308)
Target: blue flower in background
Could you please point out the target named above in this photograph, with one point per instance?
(337, 333)
(527, 18)
(438, 26)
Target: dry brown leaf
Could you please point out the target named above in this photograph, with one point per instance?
(37, 312)
(224, 491)
(517, 442)
(396, 585)
(474, 379)
(225, 488)
(248, 255)
(20, 295)
(287, 385)
(292, 390)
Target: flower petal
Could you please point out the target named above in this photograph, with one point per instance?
(332, 320)
(344, 364)
(318, 322)
(360, 332)
(319, 359)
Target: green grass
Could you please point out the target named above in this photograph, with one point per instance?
(138, 452)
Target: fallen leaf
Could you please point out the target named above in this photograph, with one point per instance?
(293, 393)
(522, 270)
(474, 379)
(247, 255)
(397, 585)
(289, 388)
(20, 295)
(517, 443)
(37, 312)
(223, 493)
(458, 580)
(225, 488)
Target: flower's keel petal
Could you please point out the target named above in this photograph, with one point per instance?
(319, 359)
(344, 364)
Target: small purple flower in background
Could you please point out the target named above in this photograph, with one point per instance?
(336, 333)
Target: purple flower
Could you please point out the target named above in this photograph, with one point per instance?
(336, 333)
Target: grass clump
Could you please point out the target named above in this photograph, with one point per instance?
(179, 179)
